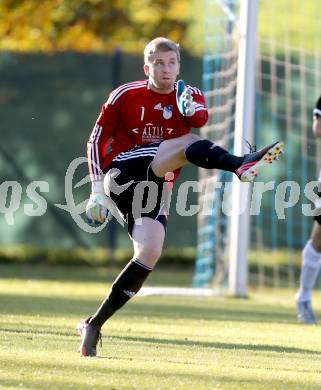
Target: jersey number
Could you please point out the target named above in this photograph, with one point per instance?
(142, 114)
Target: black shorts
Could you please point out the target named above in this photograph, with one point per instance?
(146, 195)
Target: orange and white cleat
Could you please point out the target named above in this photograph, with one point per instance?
(255, 161)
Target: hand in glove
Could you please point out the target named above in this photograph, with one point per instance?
(184, 99)
(96, 209)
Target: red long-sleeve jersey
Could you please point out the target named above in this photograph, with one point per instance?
(135, 115)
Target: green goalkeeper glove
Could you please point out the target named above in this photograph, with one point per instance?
(184, 99)
(97, 209)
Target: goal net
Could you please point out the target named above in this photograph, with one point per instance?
(288, 82)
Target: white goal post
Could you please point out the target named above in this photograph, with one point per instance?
(244, 120)
(261, 80)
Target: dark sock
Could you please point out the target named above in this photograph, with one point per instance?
(127, 284)
(206, 154)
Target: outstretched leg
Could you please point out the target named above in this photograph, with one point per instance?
(173, 154)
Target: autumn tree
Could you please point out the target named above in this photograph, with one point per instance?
(90, 25)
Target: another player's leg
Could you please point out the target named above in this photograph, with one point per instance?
(175, 153)
(148, 241)
(310, 267)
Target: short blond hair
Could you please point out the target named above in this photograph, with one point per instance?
(160, 44)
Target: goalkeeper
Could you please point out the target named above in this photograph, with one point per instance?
(146, 126)
(311, 254)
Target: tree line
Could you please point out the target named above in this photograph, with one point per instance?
(90, 25)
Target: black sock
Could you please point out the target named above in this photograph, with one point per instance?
(206, 154)
(127, 284)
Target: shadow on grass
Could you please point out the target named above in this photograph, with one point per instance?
(160, 277)
(157, 373)
(167, 342)
(170, 308)
(185, 343)
(218, 345)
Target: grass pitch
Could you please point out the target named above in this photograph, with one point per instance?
(154, 342)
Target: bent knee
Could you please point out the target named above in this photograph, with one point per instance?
(190, 139)
(149, 254)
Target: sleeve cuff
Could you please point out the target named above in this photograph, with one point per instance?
(97, 187)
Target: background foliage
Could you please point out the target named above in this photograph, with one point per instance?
(56, 68)
(103, 25)
(48, 106)
(93, 25)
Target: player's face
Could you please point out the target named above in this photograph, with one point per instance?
(162, 71)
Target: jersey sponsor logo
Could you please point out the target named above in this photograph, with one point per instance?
(158, 106)
(152, 133)
(168, 111)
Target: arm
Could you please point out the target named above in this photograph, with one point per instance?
(97, 145)
(96, 210)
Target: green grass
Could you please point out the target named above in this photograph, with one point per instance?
(153, 343)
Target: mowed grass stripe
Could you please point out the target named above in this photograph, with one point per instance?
(155, 342)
